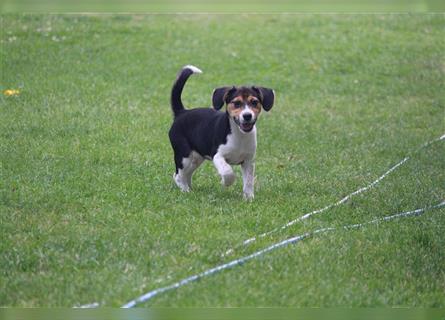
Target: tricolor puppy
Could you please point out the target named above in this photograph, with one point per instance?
(227, 138)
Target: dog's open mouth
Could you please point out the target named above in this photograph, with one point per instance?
(247, 126)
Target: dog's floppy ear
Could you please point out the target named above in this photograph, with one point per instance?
(267, 97)
(220, 95)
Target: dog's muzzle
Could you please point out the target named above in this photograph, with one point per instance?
(245, 126)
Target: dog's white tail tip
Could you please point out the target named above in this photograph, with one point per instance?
(193, 68)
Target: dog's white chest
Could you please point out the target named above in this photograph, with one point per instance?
(239, 147)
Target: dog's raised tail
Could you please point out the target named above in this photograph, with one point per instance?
(181, 79)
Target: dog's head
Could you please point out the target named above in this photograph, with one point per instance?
(244, 104)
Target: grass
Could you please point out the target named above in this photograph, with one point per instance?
(88, 208)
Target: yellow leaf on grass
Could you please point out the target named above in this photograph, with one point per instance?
(11, 92)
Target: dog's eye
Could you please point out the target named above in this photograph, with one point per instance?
(254, 103)
(237, 104)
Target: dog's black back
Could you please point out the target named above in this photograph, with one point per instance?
(201, 130)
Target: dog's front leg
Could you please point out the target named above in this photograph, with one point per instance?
(224, 170)
(248, 170)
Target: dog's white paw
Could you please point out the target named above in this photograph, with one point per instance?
(180, 183)
(248, 196)
(227, 179)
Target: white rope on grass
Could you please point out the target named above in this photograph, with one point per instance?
(88, 306)
(339, 202)
(149, 295)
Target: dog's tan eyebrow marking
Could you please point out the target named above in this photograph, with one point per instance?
(254, 104)
(236, 100)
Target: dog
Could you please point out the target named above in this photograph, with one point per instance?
(226, 138)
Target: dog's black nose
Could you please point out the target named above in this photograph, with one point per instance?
(247, 117)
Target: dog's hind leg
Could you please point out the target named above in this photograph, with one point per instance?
(190, 164)
(185, 166)
(181, 151)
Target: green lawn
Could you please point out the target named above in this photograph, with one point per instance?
(89, 211)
